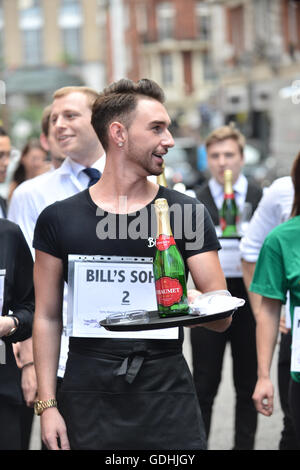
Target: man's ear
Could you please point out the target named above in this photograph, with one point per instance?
(44, 142)
(118, 133)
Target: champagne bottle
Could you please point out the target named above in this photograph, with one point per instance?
(229, 211)
(161, 179)
(168, 267)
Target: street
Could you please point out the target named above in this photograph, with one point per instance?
(269, 429)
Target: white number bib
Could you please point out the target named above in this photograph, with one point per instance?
(101, 284)
(295, 361)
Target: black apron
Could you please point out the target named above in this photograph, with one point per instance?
(130, 394)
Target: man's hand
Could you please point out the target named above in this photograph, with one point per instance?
(6, 324)
(263, 396)
(282, 326)
(29, 385)
(192, 295)
(54, 431)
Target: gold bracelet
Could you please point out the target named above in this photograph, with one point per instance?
(40, 406)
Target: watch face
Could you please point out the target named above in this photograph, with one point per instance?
(37, 408)
(40, 406)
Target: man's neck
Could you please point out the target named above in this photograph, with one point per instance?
(121, 195)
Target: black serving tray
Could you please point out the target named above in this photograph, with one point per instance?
(155, 322)
(234, 237)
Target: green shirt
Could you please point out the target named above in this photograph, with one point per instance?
(278, 267)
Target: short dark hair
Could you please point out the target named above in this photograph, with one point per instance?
(118, 101)
(3, 132)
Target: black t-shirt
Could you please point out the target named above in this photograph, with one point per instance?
(76, 226)
(16, 259)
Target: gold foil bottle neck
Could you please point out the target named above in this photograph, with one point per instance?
(163, 219)
(228, 182)
(161, 179)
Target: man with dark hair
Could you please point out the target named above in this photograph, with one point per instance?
(5, 149)
(225, 150)
(119, 393)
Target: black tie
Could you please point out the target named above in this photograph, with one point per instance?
(93, 174)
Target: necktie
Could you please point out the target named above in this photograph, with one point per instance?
(93, 174)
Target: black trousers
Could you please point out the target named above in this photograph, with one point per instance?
(208, 351)
(294, 402)
(10, 426)
(288, 440)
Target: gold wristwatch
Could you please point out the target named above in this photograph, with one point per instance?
(40, 406)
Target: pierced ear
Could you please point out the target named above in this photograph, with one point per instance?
(117, 132)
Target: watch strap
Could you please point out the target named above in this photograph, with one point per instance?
(40, 406)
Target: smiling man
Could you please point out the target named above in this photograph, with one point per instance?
(132, 392)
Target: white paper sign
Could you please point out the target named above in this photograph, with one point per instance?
(102, 285)
(295, 361)
(230, 257)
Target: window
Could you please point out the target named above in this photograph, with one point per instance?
(70, 7)
(70, 22)
(293, 25)
(166, 68)
(141, 15)
(165, 20)
(72, 44)
(203, 22)
(32, 51)
(1, 35)
(236, 30)
(208, 68)
(31, 24)
(29, 10)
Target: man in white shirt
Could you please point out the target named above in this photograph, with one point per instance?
(225, 150)
(274, 208)
(5, 149)
(71, 130)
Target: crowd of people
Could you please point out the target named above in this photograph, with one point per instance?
(135, 391)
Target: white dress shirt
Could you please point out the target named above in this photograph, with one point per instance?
(30, 199)
(32, 196)
(274, 208)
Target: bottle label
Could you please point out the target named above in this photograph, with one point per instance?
(228, 195)
(163, 242)
(222, 223)
(168, 291)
